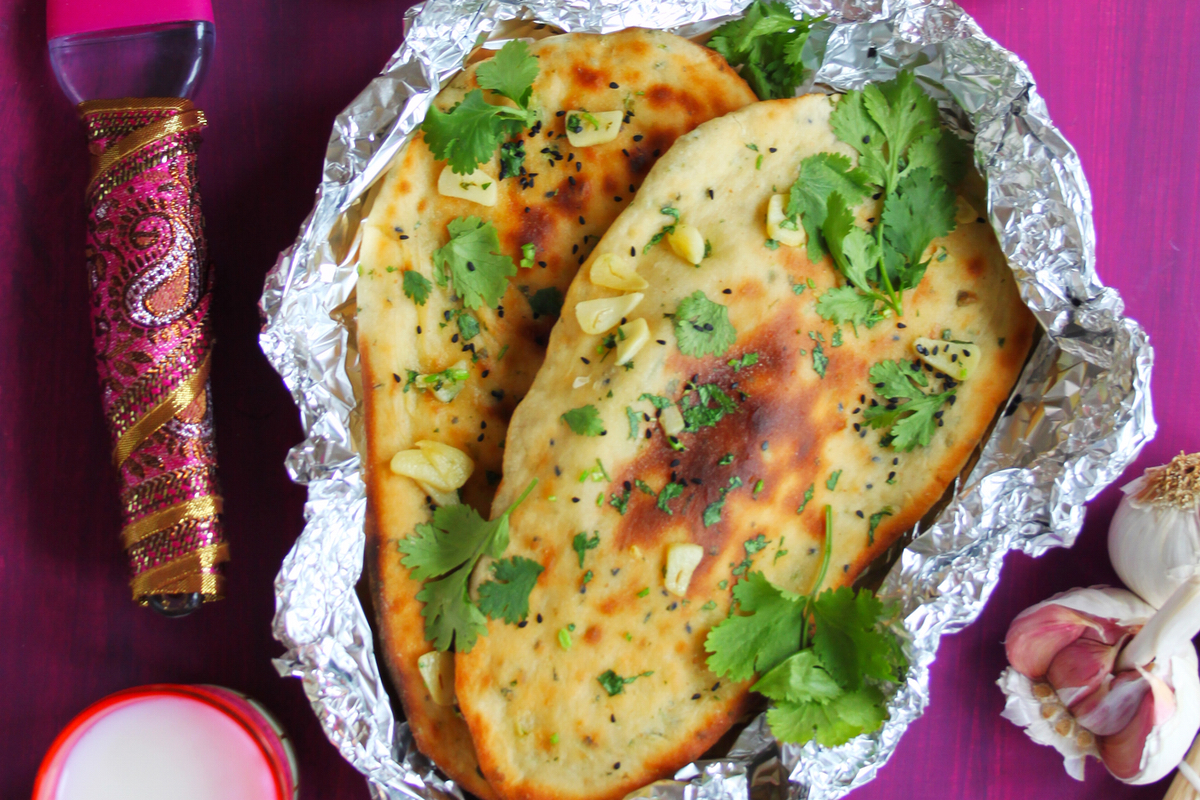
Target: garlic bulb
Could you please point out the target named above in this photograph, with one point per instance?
(1154, 538)
(1099, 672)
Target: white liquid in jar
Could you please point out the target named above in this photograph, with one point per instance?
(166, 747)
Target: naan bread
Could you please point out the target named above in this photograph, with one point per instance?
(668, 86)
(543, 724)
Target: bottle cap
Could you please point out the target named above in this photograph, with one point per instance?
(67, 17)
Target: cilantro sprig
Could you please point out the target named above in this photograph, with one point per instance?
(468, 134)
(767, 44)
(905, 158)
(444, 553)
(911, 415)
(821, 658)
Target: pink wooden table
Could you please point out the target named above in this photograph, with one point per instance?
(1121, 80)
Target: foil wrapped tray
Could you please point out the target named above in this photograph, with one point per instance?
(1079, 414)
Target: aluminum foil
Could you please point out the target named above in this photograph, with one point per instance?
(1079, 415)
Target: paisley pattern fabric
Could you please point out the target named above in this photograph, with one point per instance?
(150, 281)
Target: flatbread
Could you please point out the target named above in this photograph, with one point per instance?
(668, 85)
(543, 724)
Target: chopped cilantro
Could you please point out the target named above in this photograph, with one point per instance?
(658, 401)
(416, 287)
(712, 513)
(666, 229)
(632, 416)
(756, 544)
(820, 360)
(449, 547)
(726, 459)
(582, 543)
(767, 43)
(808, 495)
(747, 360)
(620, 502)
(597, 473)
(669, 493)
(512, 160)
(697, 410)
(644, 592)
(771, 244)
(644, 487)
(564, 638)
(584, 420)
(614, 684)
(469, 260)
(832, 483)
(506, 595)
(874, 521)
(837, 338)
(702, 327)
(468, 326)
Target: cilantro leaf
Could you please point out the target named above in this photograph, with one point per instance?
(820, 176)
(902, 111)
(845, 304)
(546, 302)
(632, 416)
(761, 638)
(943, 153)
(702, 327)
(767, 43)
(921, 209)
(853, 249)
(820, 360)
(848, 639)
(416, 287)
(468, 326)
(507, 594)
(918, 427)
(450, 546)
(799, 679)
(712, 513)
(747, 360)
(510, 72)
(834, 723)
(468, 134)
(657, 400)
(895, 379)
(873, 522)
(808, 496)
(584, 420)
(470, 261)
(528, 255)
(853, 125)
(581, 544)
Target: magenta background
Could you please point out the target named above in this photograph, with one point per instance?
(1120, 78)
(83, 16)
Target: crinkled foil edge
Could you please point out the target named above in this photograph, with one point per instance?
(1079, 415)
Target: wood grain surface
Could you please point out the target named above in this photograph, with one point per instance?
(1120, 78)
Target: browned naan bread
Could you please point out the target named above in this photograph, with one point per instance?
(544, 725)
(668, 85)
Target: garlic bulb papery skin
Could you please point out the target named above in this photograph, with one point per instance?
(1099, 672)
(1154, 538)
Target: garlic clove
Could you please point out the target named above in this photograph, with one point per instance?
(1079, 669)
(1172, 627)
(1037, 635)
(1111, 707)
(1122, 752)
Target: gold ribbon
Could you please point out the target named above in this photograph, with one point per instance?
(180, 398)
(188, 120)
(186, 575)
(196, 508)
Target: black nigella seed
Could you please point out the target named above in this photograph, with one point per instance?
(627, 486)
(772, 150)
(710, 194)
(578, 166)
(446, 315)
(859, 514)
(891, 475)
(649, 435)
(574, 499)
(542, 264)
(632, 188)
(581, 221)
(895, 461)
(571, 180)
(498, 394)
(454, 338)
(696, 696)
(871, 51)
(557, 471)
(418, 329)
(574, 249)
(551, 193)
(617, 765)
(403, 236)
(638, 137)
(483, 423)
(674, 463)
(616, 199)
(584, 360)
(480, 437)
(614, 85)
(727, 291)
(570, 157)
(522, 623)
(661, 341)
(557, 114)
(539, 618)
(866, 140)
(485, 373)
(626, 152)
(901, 325)
(633, 252)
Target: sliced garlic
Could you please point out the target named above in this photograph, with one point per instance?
(682, 560)
(671, 420)
(586, 128)
(602, 315)
(632, 337)
(688, 243)
(614, 271)
(439, 497)
(964, 212)
(956, 359)
(437, 670)
(452, 464)
(478, 187)
(777, 218)
(582, 380)
(434, 464)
